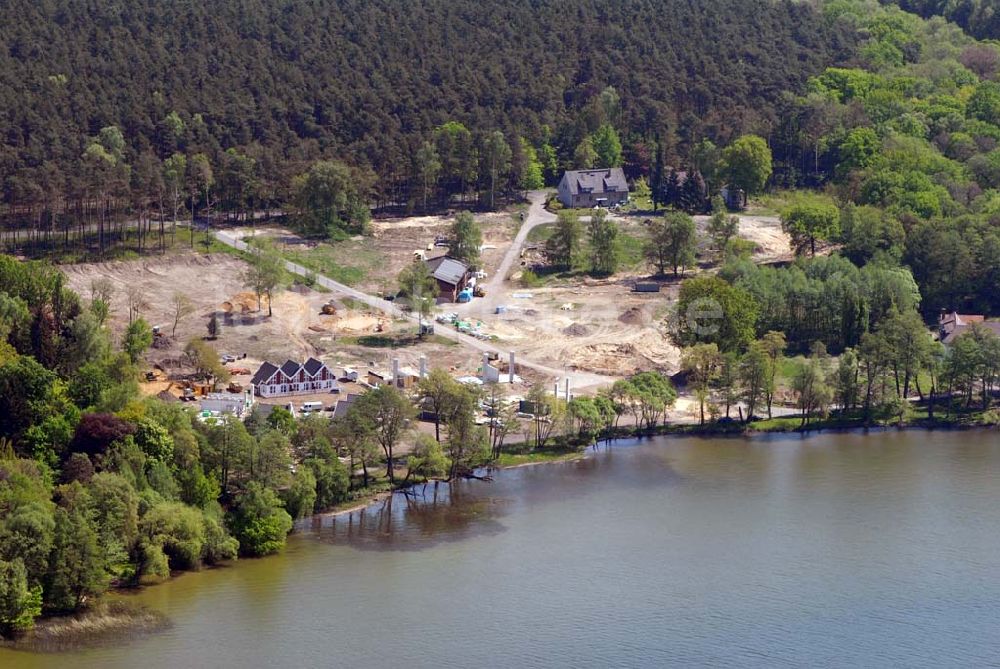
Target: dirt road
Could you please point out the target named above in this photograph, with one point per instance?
(495, 289)
(577, 379)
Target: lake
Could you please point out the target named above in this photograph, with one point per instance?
(833, 550)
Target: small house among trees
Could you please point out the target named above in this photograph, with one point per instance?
(685, 190)
(293, 378)
(591, 188)
(452, 276)
(952, 324)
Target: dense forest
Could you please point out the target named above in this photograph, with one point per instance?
(980, 18)
(265, 88)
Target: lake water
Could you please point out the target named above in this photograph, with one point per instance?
(835, 550)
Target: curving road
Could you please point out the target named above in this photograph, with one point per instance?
(537, 215)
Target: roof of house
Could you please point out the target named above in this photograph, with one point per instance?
(448, 270)
(596, 181)
(344, 404)
(313, 366)
(290, 368)
(949, 322)
(264, 373)
(951, 335)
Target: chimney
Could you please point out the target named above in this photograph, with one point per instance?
(423, 366)
(511, 370)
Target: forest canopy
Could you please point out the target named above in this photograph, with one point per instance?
(289, 83)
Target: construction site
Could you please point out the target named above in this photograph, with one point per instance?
(588, 330)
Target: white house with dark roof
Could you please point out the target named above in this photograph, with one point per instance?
(593, 188)
(293, 378)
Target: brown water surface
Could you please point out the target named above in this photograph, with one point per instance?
(836, 550)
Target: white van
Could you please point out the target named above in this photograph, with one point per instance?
(309, 407)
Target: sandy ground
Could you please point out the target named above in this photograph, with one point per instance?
(296, 329)
(392, 244)
(773, 243)
(584, 324)
(599, 326)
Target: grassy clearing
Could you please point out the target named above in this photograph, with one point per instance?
(630, 257)
(541, 233)
(120, 250)
(348, 262)
(772, 204)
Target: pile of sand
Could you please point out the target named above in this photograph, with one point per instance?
(634, 316)
(357, 323)
(244, 302)
(576, 330)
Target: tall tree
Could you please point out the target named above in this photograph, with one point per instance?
(702, 362)
(388, 411)
(264, 273)
(604, 244)
(747, 163)
(607, 146)
(428, 167)
(466, 238)
(495, 158)
(331, 198)
(174, 178)
(672, 242)
(807, 222)
(563, 247)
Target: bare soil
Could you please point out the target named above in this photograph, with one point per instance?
(296, 329)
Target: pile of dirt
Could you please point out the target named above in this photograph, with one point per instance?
(163, 343)
(634, 316)
(576, 330)
(244, 302)
(358, 323)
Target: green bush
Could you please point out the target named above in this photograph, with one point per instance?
(259, 522)
(529, 279)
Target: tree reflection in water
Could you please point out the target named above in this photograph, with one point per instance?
(422, 516)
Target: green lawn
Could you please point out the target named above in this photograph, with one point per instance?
(346, 261)
(541, 233)
(630, 249)
(115, 250)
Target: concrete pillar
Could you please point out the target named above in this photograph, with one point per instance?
(486, 363)
(567, 389)
(511, 370)
(395, 371)
(423, 366)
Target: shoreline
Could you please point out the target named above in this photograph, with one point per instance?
(112, 621)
